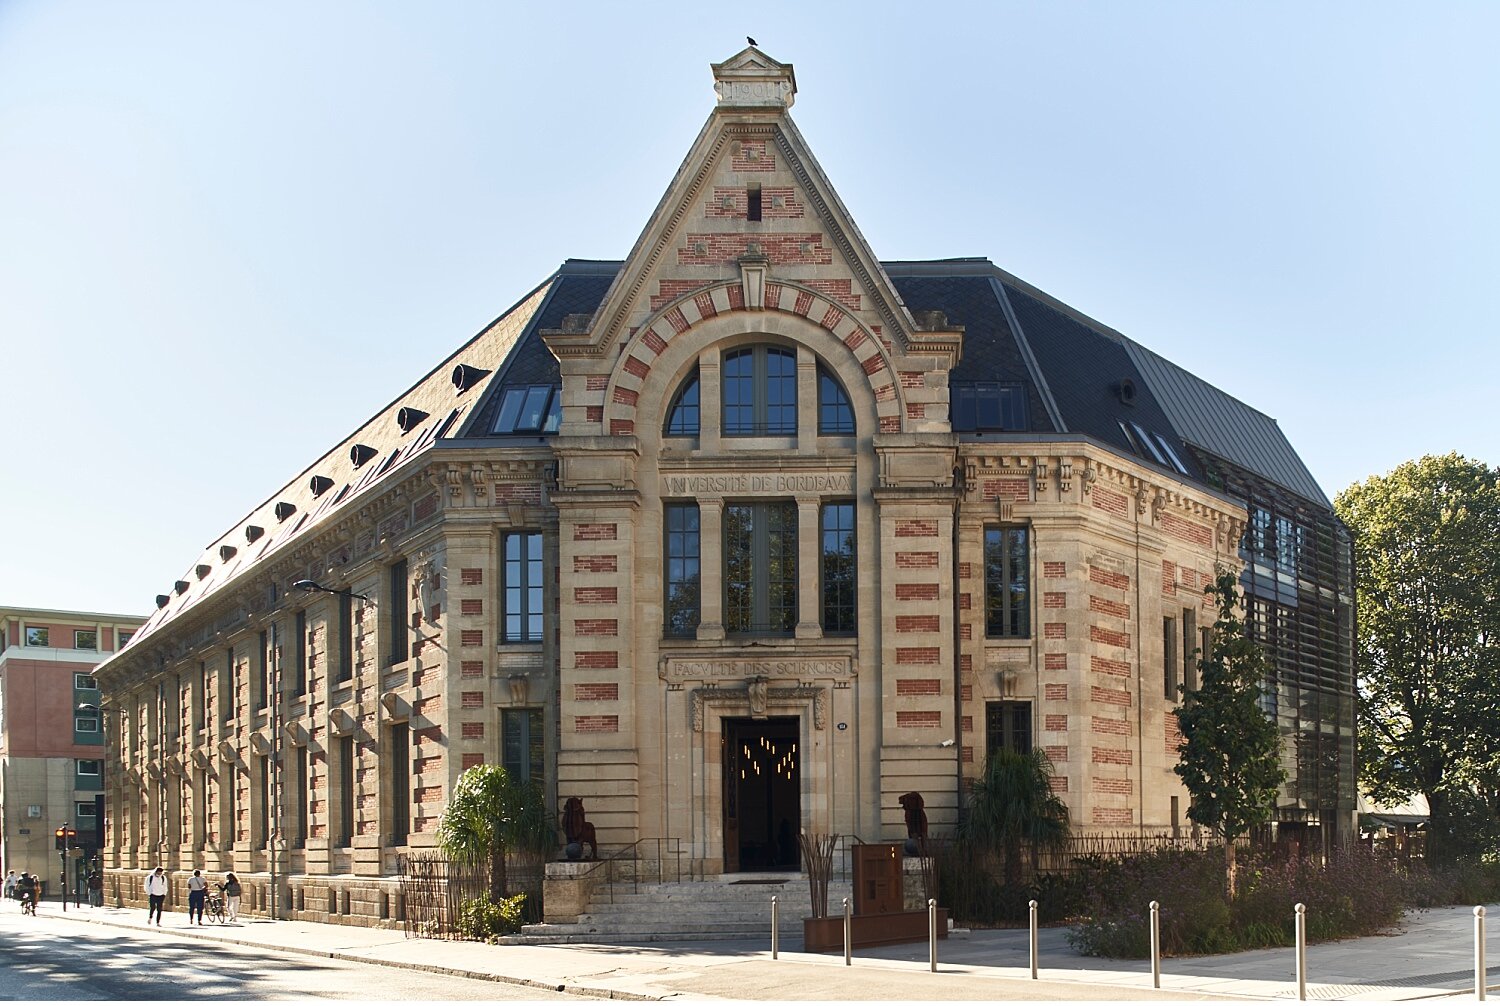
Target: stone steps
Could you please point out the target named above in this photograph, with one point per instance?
(703, 910)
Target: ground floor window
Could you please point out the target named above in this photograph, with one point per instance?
(524, 747)
(1007, 727)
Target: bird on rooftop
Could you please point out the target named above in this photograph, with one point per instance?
(750, 40)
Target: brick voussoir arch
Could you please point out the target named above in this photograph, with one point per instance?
(650, 340)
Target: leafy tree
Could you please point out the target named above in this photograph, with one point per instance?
(1012, 810)
(1427, 576)
(491, 813)
(1231, 755)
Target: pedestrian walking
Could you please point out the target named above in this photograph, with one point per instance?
(197, 894)
(156, 894)
(10, 885)
(232, 896)
(95, 882)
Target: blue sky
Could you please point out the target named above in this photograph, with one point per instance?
(230, 232)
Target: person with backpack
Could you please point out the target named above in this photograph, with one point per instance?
(156, 894)
(95, 883)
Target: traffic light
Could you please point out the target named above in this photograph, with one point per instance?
(64, 838)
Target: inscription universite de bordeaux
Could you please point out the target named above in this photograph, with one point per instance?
(715, 484)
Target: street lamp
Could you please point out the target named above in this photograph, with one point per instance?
(313, 587)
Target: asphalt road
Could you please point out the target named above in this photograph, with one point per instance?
(52, 957)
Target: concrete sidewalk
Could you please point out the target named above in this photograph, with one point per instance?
(1426, 960)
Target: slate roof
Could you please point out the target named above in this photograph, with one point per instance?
(1070, 364)
(1072, 367)
(300, 507)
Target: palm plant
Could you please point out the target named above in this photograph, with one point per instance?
(1012, 809)
(491, 813)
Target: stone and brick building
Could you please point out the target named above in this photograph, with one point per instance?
(747, 534)
(51, 751)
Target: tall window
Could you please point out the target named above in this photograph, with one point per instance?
(400, 619)
(346, 791)
(521, 590)
(399, 773)
(837, 528)
(226, 687)
(1169, 659)
(1007, 579)
(760, 392)
(267, 802)
(299, 654)
(835, 417)
(346, 638)
(524, 749)
(304, 797)
(203, 711)
(262, 674)
(682, 598)
(1189, 647)
(231, 800)
(760, 567)
(682, 417)
(1007, 727)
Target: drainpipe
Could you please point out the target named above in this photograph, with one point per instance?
(958, 673)
(1140, 687)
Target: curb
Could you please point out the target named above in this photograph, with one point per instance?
(338, 955)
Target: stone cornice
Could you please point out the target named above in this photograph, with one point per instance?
(1061, 473)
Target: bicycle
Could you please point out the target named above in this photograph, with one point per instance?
(28, 904)
(213, 908)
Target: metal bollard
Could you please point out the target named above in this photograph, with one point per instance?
(1155, 945)
(1481, 978)
(1032, 945)
(775, 928)
(1301, 951)
(848, 935)
(932, 934)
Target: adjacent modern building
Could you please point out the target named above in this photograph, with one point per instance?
(748, 534)
(51, 752)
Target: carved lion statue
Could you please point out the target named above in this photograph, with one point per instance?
(916, 815)
(577, 827)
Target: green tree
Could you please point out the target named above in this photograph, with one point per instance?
(1013, 811)
(490, 814)
(1427, 578)
(1231, 755)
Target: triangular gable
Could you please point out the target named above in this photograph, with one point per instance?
(699, 229)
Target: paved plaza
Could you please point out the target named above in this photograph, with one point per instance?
(1431, 956)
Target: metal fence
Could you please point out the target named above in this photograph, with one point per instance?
(434, 890)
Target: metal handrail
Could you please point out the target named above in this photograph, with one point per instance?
(668, 848)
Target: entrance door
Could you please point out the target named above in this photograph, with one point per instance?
(762, 794)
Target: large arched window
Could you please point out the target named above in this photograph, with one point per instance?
(760, 392)
(835, 417)
(682, 417)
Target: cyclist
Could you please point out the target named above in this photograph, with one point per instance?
(26, 888)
